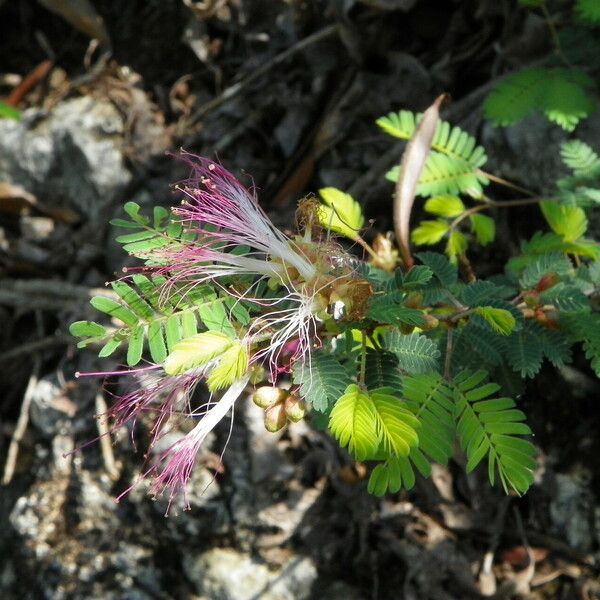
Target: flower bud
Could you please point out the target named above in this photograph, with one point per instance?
(295, 408)
(430, 322)
(547, 281)
(267, 396)
(275, 418)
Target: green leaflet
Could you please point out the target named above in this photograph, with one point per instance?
(579, 157)
(353, 421)
(499, 319)
(448, 140)
(561, 94)
(567, 221)
(340, 213)
(148, 318)
(382, 370)
(416, 353)
(322, 380)
(490, 427)
(588, 11)
(445, 272)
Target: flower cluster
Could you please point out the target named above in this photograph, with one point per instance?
(291, 286)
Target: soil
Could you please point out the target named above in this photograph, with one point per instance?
(285, 93)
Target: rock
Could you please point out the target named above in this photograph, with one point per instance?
(572, 509)
(69, 158)
(225, 574)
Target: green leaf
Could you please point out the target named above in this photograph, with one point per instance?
(487, 427)
(585, 328)
(114, 309)
(133, 300)
(441, 267)
(550, 262)
(566, 298)
(416, 353)
(579, 157)
(500, 320)
(418, 276)
(524, 351)
(9, 112)
(560, 93)
(322, 380)
(197, 351)
(456, 246)
(136, 346)
(382, 371)
(384, 309)
(396, 425)
(567, 221)
(445, 206)
(215, 317)
(133, 210)
(87, 329)
(429, 232)
(484, 228)
(340, 213)
(354, 421)
(431, 401)
(448, 140)
(232, 365)
(379, 480)
(481, 291)
(156, 342)
(588, 11)
(109, 348)
(445, 175)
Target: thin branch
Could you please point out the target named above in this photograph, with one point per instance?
(238, 87)
(21, 426)
(108, 455)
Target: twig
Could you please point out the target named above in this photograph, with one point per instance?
(21, 426)
(448, 358)
(238, 87)
(36, 345)
(106, 449)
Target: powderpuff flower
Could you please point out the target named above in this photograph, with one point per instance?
(174, 466)
(226, 215)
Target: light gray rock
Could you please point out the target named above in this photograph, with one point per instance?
(572, 509)
(70, 157)
(225, 574)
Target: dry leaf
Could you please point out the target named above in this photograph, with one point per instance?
(82, 15)
(411, 166)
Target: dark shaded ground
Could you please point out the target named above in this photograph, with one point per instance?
(286, 92)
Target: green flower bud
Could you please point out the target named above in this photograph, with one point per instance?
(267, 396)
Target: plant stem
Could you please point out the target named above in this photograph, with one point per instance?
(448, 358)
(363, 359)
(505, 182)
(496, 204)
(365, 245)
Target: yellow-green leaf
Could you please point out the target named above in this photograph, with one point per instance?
(429, 232)
(196, 351)
(340, 212)
(499, 319)
(353, 421)
(445, 206)
(484, 228)
(395, 424)
(456, 246)
(568, 221)
(231, 366)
